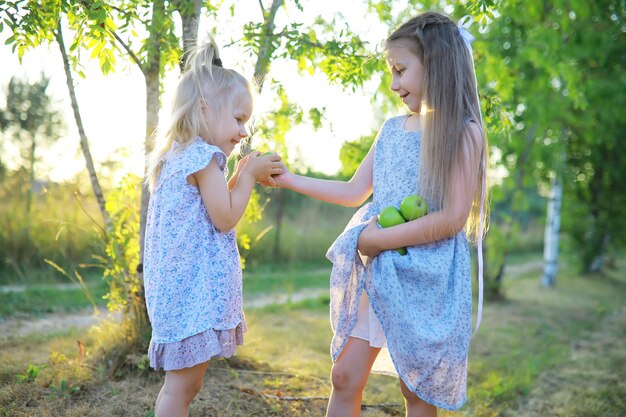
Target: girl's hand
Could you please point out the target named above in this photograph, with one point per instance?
(241, 165)
(367, 239)
(263, 167)
(283, 180)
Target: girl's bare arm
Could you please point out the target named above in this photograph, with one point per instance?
(351, 193)
(226, 203)
(435, 225)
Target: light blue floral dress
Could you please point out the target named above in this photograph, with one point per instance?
(192, 274)
(423, 299)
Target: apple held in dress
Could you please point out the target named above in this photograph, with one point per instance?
(391, 216)
(413, 207)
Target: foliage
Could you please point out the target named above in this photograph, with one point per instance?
(555, 68)
(94, 29)
(122, 255)
(64, 389)
(341, 55)
(29, 117)
(352, 153)
(32, 372)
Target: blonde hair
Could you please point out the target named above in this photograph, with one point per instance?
(450, 97)
(204, 93)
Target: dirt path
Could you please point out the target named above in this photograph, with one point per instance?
(593, 375)
(59, 322)
(21, 326)
(515, 270)
(22, 288)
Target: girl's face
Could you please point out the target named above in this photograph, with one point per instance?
(233, 125)
(407, 74)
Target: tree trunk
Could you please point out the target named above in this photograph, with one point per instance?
(189, 14)
(84, 143)
(551, 239)
(599, 260)
(151, 72)
(265, 52)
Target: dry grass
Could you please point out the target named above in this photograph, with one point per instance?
(556, 352)
(295, 343)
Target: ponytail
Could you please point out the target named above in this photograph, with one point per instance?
(204, 80)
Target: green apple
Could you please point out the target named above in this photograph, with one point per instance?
(391, 216)
(413, 207)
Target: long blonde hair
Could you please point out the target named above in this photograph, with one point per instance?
(449, 94)
(203, 83)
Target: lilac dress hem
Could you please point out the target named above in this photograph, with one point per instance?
(196, 349)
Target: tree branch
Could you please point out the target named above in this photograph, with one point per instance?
(114, 8)
(10, 16)
(126, 47)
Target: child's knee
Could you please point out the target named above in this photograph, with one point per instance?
(409, 395)
(184, 388)
(344, 379)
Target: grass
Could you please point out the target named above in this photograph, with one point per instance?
(557, 352)
(40, 299)
(285, 278)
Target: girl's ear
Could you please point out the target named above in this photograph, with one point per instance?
(204, 106)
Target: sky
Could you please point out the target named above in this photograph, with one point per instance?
(112, 106)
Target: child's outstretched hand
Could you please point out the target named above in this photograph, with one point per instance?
(366, 244)
(282, 180)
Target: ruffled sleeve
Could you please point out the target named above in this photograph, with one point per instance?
(182, 162)
(199, 155)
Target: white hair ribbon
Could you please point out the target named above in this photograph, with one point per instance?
(463, 25)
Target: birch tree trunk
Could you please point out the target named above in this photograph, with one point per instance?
(84, 143)
(551, 237)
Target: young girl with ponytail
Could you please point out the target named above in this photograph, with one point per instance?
(192, 271)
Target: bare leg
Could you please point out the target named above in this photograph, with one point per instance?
(415, 406)
(349, 376)
(180, 388)
(158, 400)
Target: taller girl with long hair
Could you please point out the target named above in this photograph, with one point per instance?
(192, 271)
(410, 315)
